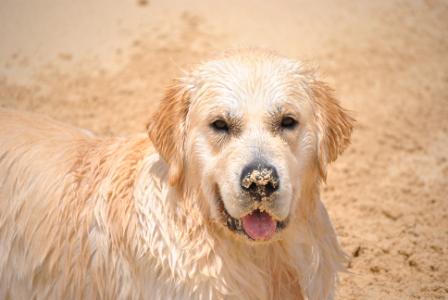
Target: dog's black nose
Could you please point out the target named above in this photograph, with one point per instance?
(259, 179)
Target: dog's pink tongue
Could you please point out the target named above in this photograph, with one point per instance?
(259, 225)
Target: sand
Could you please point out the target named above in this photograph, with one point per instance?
(104, 65)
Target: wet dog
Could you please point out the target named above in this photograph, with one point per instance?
(221, 201)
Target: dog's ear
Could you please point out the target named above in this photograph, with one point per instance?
(334, 125)
(167, 130)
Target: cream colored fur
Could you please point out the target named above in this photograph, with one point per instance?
(84, 217)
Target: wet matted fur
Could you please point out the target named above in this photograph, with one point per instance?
(85, 217)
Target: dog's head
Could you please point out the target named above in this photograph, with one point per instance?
(251, 131)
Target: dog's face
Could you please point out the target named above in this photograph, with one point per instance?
(247, 130)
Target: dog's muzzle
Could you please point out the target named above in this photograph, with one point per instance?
(259, 181)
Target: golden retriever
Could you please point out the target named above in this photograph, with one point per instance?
(220, 202)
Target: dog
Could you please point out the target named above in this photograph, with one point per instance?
(222, 201)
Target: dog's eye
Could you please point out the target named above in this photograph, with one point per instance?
(288, 123)
(220, 125)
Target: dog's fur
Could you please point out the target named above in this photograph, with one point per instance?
(84, 217)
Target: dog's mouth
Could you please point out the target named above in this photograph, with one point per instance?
(257, 225)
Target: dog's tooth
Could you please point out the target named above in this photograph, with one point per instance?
(232, 223)
(229, 222)
(238, 224)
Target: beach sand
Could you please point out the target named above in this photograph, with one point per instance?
(103, 65)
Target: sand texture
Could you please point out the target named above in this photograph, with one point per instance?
(103, 65)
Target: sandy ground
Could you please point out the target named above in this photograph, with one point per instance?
(103, 65)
